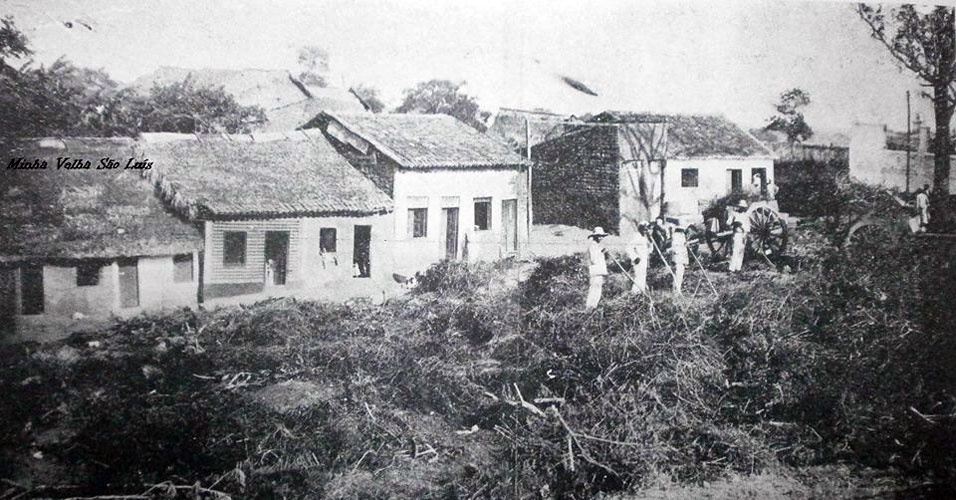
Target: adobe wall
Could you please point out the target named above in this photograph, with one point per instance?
(576, 179)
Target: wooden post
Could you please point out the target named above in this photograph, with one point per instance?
(527, 142)
(909, 134)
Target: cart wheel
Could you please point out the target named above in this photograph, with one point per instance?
(768, 233)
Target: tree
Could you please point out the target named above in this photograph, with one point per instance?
(12, 42)
(369, 96)
(923, 42)
(184, 108)
(443, 97)
(789, 118)
(315, 66)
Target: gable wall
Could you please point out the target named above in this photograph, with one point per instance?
(576, 180)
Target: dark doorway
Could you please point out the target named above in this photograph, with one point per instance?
(509, 224)
(762, 172)
(361, 251)
(128, 283)
(8, 300)
(451, 233)
(31, 289)
(277, 255)
(736, 179)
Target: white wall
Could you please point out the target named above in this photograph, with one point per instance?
(416, 254)
(319, 271)
(158, 290)
(712, 181)
(872, 163)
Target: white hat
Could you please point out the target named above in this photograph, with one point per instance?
(598, 231)
(742, 203)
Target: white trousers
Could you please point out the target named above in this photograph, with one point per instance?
(640, 277)
(737, 251)
(678, 277)
(595, 290)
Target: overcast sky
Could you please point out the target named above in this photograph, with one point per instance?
(705, 57)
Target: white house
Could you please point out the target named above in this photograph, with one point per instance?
(457, 192)
(598, 173)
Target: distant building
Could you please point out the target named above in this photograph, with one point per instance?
(454, 188)
(596, 173)
(288, 103)
(879, 156)
(278, 212)
(522, 129)
(79, 243)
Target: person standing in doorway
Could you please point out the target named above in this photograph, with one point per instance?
(922, 205)
(597, 267)
(772, 190)
(639, 251)
(678, 252)
(740, 224)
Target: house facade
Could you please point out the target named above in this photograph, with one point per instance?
(280, 213)
(83, 244)
(879, 156)
(458, 194)
(621, 168)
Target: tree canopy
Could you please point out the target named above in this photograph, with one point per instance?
(789, 118)
(65, 99)
(370, 97)
(314, 61)
(923, 40)
(444, 97)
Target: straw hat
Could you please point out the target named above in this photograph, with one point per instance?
(742, 204)
(598, 232)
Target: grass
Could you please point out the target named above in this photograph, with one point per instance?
(467, 388)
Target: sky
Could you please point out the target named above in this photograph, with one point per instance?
(728, 57)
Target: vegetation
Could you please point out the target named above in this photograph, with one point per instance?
(789, 118)
(370, 97)
(66, 100)
(444, 97)
(474, 387)
(923, 40)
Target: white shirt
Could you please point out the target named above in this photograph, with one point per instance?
(679, 248)
(639, 247)
(597, 265)
(922, 200)
(744, 219)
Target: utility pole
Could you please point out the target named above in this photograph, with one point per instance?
(909, 134)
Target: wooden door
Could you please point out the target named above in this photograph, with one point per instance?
(451, 233)
(362, 250)
(128, 283)
(509, 225)
(277, 251)
(735, 179)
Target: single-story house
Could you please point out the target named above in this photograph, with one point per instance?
(81, 242)
(458, 193)
(278, 211)
(620, 168)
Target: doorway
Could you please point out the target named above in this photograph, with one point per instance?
(762, 185)
(451, 232)
(128, 282)
(509, 224)
(361, 251)
(277, 255)
(735, 179)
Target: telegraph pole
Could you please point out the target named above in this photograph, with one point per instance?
(909, 135)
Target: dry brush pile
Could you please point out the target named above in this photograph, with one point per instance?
(467, 389)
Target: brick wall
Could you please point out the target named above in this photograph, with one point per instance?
(576, 179)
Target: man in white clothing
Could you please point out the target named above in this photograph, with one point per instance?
(922, 205)
(639, 251)
(740, 224)
(679, 258)
(597, 267)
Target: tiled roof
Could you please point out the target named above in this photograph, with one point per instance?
(510, 126)
(71, 214)
(428, 141)
(260, 176)
(697, 136)
(288, 104)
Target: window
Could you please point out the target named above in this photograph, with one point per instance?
(483, 214)
(736, 180)
(327, 240)
(688, 177)
(234, 248)
(31, 290)
(418, 222)
(183, 268)
(88, 274)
